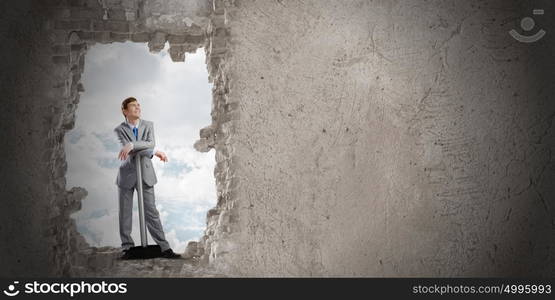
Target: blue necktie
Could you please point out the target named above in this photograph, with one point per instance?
(136, 132)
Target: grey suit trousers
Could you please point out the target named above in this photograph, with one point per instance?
(152, 217)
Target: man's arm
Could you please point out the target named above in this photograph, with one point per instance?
(146, 152)
(124, 140)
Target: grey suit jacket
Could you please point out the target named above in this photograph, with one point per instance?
(127, 174)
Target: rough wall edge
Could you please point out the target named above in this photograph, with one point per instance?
(217, 246)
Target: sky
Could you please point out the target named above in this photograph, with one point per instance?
(176, 97)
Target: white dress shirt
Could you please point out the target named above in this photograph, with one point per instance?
(131, 125)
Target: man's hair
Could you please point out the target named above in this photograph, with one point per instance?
(125, 102)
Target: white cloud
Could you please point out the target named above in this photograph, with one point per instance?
(177, 244)
(177, 98)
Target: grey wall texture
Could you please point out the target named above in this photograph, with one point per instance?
(352, 138)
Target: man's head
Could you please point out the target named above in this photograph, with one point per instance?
(131, 109)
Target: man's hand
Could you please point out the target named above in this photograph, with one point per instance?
(125, 151)
(162, 156)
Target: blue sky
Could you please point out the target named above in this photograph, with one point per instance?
(176, 96)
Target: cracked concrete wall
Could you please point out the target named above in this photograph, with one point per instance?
(352, 138)
(390, 138)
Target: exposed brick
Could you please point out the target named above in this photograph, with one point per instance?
(102, 37)
(134, 27)
(98, 25)
(64, 59)
(231, 106)
(73, 25)
(92, 4)
(232, 183)
(62, 13)
(177, 39)
(56, 3)
(130, 15)
(202, 145)
(230, 116)
(113, 26)
(73, 38)
(58, 37)
(76, 77)
(218, 21)
(129, 4)
(112, 3)
(77, 3)
(74, 57)
(212, 212)
(85, 35)
(157, 42)
(198, 39)
(116, 26)
(120, 37)
(186, 39)
(221, 32)
(82, 62)
(141, 37)
(218, 7)
(85, 13)
(217, 53)
(79, 47)
(227, 128)
(177, 53)
(61, 49)
(206, 132)
(117, 14)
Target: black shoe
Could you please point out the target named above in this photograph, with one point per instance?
(125, 254)
(170, 254)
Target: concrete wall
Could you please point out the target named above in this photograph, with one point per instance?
(391, 138)
(352, 138)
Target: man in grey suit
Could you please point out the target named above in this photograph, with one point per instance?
(137, 138)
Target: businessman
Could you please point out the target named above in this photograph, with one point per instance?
(137, 138)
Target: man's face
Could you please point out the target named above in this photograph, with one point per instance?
(133, 110)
